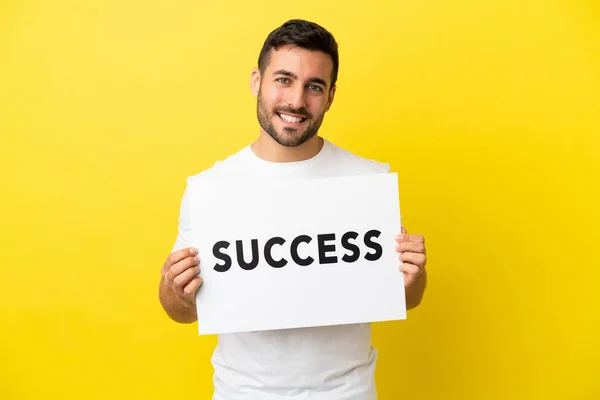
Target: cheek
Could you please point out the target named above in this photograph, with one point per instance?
(317, 105)
(273, 96)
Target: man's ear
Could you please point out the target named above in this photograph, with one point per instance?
(331, 96)
(255, 82)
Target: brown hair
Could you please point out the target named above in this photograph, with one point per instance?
(304, 34)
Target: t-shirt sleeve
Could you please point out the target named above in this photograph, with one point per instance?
(184, 230)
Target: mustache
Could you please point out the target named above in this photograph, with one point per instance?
(299, 111)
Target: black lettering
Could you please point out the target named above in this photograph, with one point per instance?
(349, 246)
(269, 258)
(373, 245)
(221, 256)
(294, 251)
(240, 255)
(323, 248)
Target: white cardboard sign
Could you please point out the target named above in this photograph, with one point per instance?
(298, 253)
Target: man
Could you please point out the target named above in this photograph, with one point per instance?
(295, 84)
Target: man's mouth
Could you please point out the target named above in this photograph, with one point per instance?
(292, 119)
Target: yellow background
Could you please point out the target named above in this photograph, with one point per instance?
(487, 109)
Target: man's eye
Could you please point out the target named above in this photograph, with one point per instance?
(315, 87)
(283, 80)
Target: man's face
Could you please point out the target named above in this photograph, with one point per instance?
(293, 94)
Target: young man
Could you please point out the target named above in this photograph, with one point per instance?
(295, 85)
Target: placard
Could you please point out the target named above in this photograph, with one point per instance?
(297, 253)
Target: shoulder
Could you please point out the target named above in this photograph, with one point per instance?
(230, 166)
(354, 163)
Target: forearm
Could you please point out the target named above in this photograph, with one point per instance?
(175, 307)
(414, 293)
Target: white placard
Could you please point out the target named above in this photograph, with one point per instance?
(346, 226)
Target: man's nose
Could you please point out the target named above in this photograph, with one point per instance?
(296, 98)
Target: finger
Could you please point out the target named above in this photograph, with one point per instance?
(410, 238)
(413, 258)
(409, 269)
(411, 272)
(412, 247)
(183, 279)
(190, 288)
(181, 266)
(404, 230)
(177, 256)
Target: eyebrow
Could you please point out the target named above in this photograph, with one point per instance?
(292, 75)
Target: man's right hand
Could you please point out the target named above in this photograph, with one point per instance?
(180, 276)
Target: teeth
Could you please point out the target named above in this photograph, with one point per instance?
(289, 118)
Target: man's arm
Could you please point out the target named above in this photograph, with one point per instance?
(414, 293)
(178, 285)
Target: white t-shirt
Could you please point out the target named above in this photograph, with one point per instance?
(317, 363)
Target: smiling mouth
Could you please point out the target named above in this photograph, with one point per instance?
(291, 119)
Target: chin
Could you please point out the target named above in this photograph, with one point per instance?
(288, 139)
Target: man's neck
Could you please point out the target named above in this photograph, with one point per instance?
(266, 148)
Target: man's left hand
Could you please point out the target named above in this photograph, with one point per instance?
(412, 249)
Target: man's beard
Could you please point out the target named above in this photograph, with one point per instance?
(290, 136)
